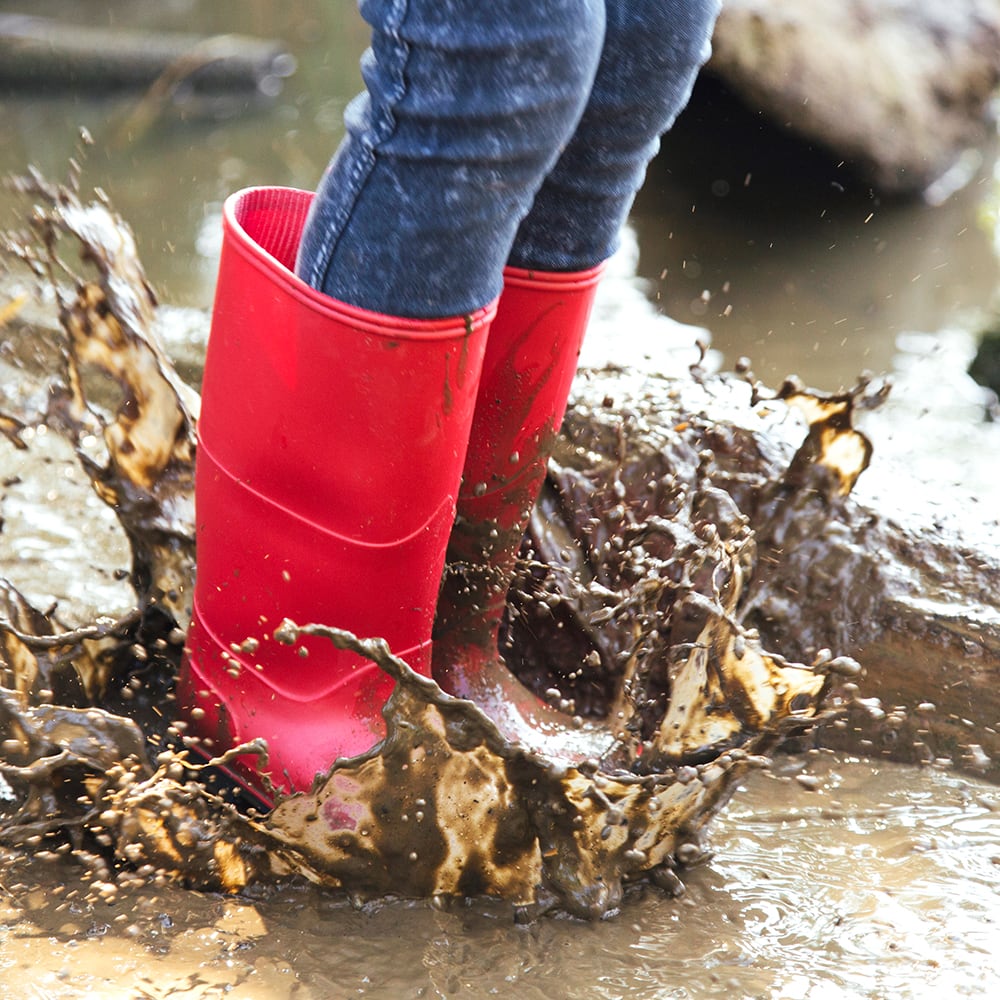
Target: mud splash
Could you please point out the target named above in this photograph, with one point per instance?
(628, 612)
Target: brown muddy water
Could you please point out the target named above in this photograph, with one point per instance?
(831, 876)
(880, 883)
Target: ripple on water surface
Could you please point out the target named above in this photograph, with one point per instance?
(884, 882)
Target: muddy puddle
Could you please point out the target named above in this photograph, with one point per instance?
(824, 875)
(878, 882)
(829, 875)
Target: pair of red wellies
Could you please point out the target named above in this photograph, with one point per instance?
(341, 454)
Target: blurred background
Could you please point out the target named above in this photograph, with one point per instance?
(783, 253)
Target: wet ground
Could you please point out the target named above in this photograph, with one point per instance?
(879, 883)
(883, 882)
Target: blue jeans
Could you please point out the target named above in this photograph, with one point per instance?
(495, 132)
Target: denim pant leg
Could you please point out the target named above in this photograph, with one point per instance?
(468, 105)
(652, 53)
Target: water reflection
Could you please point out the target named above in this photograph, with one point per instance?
(805, 269)
(166, 179)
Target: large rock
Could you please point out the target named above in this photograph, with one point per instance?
(899, 88)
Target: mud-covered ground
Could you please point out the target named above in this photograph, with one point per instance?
(880, 882)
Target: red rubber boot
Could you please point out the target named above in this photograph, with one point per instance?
(331, 444)
(531, 358)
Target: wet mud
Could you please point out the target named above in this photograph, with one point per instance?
(870, 884)
(696, 580)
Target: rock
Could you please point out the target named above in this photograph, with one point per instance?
(898, 88)
(985, 367)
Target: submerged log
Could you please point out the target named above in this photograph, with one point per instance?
(44, 54)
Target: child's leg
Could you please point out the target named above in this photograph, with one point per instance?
(468, 105)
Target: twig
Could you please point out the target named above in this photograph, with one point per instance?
(73, 636)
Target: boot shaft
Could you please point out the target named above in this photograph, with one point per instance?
(531, 359)
(331, 444)
(351, 419)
